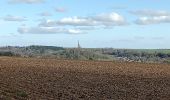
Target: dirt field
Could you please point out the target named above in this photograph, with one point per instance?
(50, 79)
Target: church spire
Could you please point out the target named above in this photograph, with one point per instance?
(78, 45)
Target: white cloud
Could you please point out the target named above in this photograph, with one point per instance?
(47, 30)
(26, 1)
(45, 14)
(76, 21)
(61, 10)
(110, 19)
(75, 25)
(14, 18)
(101, 20)
(147, 12)
(86, 28)
(148, 17)
(74, 31)
(153, 20)
(47, 23)
(39, 30)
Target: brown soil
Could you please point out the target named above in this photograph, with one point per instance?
(51, 79)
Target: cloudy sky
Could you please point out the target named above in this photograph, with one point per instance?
(95, 23)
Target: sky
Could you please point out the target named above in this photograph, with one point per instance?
(134, 24)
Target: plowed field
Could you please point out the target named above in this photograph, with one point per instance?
(51, 79)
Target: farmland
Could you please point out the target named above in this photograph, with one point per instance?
(52, 79)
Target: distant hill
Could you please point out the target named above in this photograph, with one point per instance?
(108, 54)
(53, 52)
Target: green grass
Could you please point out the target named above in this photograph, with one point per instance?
(22, 94)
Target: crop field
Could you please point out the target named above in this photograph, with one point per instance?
(52, 79)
